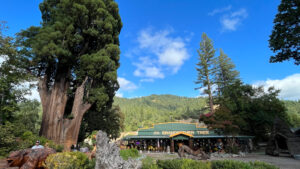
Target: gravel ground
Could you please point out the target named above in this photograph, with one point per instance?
(281, 162)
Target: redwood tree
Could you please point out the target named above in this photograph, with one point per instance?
(75, 55)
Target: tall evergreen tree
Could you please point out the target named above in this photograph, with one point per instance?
(11, 77)
(205, 68)
(75, 56)
(225, 74)
(285, 37)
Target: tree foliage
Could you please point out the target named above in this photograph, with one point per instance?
(110, 121)
(205, 68)
(145, 111)
(11, 78)
(148, 110)
(225, 72)
(76, 39)
(75, 55)
(285, 37)
(245, 109)
(29, 116)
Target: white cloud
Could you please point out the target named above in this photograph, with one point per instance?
(34, 94)
(240, 13)
(2, 59)
(230, 22)
(163, 53)
(147, 80)
(118, 94)
(289, 86)
(219, 10)
(126, 85)
(147, 68)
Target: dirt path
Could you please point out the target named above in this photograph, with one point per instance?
(281, 162)
(3, 164)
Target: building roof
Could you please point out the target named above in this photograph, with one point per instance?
(176, 130)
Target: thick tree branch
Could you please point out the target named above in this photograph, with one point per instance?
(43, 90)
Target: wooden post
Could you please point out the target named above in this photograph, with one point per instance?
(172, 146)
(191, 143)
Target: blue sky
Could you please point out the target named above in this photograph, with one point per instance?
(159, 40)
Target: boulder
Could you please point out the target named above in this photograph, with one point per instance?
(185, 151)
(29, 158)
(108, 155)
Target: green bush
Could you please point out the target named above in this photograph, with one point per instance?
(129, 153)
(262, 165)
(188, 163)
(7, 139)
(230, 164)
(10, 140)
(68, 160)
(183, 164)
(92, 164)
(169, 164)
(192, 164)
(28, 139)
(56, 147)
(149, 163)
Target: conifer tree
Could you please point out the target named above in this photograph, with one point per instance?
(205, 68)
(285, 37)
(11, 77)
(225, 73)
(75, 56)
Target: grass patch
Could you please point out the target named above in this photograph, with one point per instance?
(129, 153)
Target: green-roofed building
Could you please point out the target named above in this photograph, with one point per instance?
(172, 134)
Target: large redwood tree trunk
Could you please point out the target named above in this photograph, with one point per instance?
(54, 126)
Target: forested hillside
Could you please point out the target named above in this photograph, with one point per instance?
(144, 111)
(293, 109)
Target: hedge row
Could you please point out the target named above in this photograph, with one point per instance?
(192, 164)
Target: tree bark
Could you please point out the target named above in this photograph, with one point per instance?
(54, 126)
(211, 104)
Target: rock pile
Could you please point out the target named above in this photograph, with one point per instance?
(226, 155)
(108, 155)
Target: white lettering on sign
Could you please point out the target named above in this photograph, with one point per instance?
(174, 132)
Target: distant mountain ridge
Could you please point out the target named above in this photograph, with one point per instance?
(144, 111)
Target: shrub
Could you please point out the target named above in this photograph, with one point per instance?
(230, 164)
(7, 139)
(183, 164)
(91, 164)
(28, 139)
(169, 164)
(188, 163)
(262, 165)
(192, 164)
(149, 163)
(67, 160)
(56, 147)
(129, 153)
